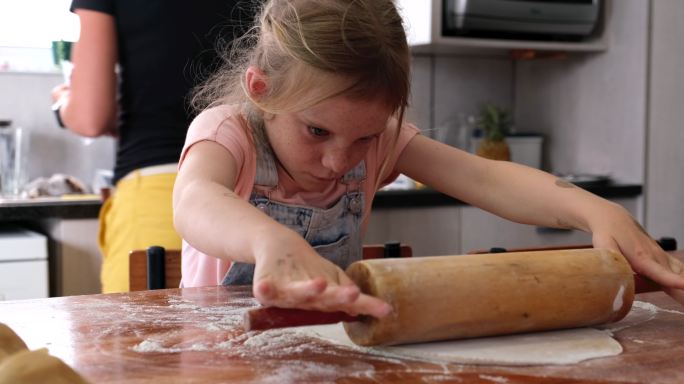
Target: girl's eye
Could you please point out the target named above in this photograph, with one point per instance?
(318, 131)
(367, 138)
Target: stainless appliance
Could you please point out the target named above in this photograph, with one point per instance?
(529, 19)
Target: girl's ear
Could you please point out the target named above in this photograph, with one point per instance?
(255, 80)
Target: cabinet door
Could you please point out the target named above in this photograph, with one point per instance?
(24, 279)
(429, 231)
(76, 256)
(483, 230)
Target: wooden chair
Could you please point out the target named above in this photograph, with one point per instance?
(159, 268)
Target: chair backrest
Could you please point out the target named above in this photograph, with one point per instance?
(146, 265)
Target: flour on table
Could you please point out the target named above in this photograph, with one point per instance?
(557, 347)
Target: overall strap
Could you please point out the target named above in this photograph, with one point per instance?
(266, 171)
(356, 175)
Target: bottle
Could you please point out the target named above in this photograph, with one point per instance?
(466, 127)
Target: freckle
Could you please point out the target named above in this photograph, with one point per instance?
(280, 262)
(564, 184)
(562, 224)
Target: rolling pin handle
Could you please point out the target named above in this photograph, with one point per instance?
(643, 284)
(497, 250)
(264, 318)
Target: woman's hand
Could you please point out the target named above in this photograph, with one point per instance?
(59, 92)
(290, 274)
(617, 230)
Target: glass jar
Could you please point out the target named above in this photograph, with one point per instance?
(13, 158)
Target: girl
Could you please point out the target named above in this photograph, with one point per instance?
(277, 176)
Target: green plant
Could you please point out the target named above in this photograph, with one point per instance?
(61, 51)
(495, 122)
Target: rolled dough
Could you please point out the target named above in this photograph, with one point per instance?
(557, 347)
(10, 343)
(37, 367)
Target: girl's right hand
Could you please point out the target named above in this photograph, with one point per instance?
(290, 274)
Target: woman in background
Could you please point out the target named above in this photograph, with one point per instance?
(162, 48)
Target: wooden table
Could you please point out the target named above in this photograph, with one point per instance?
(193, 336)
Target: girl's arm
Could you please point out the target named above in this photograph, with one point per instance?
(218, 222)
(530, 196)
(89, 101)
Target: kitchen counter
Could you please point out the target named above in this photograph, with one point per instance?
(195, 335)
(74, 208)
(85, 207)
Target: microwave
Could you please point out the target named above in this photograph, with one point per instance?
(526, 19)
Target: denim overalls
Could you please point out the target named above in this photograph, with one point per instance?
(333, 232)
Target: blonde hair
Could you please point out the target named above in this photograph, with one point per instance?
(311, 50)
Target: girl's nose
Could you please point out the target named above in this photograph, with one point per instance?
(337, 161)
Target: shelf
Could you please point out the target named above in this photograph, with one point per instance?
(424, 22)
(468, 45)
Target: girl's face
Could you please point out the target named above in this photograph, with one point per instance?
(318, 145)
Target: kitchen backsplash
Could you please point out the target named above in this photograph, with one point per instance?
(461, 84)
(592, 107)
(25, 99)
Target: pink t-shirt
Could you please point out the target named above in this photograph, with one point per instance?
(224, 126)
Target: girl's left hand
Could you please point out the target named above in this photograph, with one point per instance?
(618, 231)
(290, 274)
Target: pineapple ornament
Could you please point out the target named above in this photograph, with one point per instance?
(495, 123)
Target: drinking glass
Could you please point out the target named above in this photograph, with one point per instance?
(13, 160)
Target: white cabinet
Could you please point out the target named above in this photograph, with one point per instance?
(459, 229)
(23, 264)
(430, 231)
(483, 230)
(76, 256)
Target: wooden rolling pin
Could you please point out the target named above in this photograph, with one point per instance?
(451, 297)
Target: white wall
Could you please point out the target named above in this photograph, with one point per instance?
(592, 106)
(445, 87)
(665, 161)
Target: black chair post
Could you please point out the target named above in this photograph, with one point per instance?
(156, 268)
(392, 249)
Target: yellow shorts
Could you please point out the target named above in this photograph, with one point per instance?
(138, 215)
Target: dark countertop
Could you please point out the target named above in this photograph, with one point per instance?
(431, 198)
(22, 210)
(89, 208)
